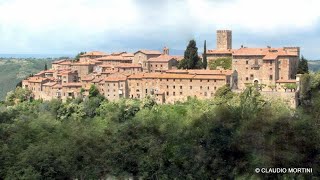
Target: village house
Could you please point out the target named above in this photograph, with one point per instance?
(153, 73)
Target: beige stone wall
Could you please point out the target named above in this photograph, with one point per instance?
(83, 70)
(254, 68)
(174, 89)
(224, 39)
(162, 66)
(142, 59)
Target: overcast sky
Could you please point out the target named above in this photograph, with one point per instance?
(70, 26)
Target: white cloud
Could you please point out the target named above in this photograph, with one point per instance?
(45, 25)
(256, 15)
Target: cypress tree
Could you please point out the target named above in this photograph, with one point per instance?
(204, 56)
(191, 59)
(303, 66)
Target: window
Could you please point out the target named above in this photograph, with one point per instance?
(146, 91)
(167, 79)
(174, 79)
(247, 62)
(160, 65)
(137, 84)
(208, 88)
(205, 93)
(247, 78)
(156, 65)
(251, 76)
(190, 80)
(270, 77)
(167, 87)
(208, 80)
(174, 93)
(190, 87)
(215, 88)
(200, 80)
(180, 93)
(270, 63)
(174, 87)
(200, 87)
(167, 93)
(180, 87)
(215, 81)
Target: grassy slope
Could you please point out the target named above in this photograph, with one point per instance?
(14, 70)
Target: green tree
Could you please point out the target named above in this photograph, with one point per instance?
(224, 63)
(77, 58)
(204, 56)
(303, 66)
(93, 91)
(191, 58)
(45, 66)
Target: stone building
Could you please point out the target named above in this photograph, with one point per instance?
(152, 73)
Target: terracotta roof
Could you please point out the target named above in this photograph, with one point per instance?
(39, 73)
(270, 56)
(149, 52)
(221, 77)
(136, 76)
(37, 79)
(72, 85)
(220, 51)
(116, 58)
(82, 64)
(65, 63)
(127, 55)
(109, 72)
(210, 72)
(96, 80)
(106, 65)
(114, 79)
(271, 52)
(176, 76)
(59, 61)
(161, 58)
(128, 65)
(87, 78)
(178, 71)
(287, 81)
(95, 53)
(50, 84)
(50, 71)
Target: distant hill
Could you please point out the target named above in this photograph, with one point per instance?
(13, 71)
(314, 65)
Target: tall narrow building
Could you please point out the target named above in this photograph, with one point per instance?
(224, 39)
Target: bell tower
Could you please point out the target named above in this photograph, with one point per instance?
(224, 39)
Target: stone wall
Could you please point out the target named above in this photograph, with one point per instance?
(224, 39)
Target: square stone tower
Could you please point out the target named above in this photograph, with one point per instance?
(224, 39)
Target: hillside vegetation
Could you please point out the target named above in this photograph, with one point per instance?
(314, 65)
(222, 138)
(13, 71)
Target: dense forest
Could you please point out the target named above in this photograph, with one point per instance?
(226, 137)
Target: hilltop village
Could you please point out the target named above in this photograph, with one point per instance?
(154, 73)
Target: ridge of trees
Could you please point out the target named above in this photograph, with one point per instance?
(226, 137)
